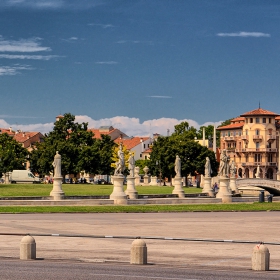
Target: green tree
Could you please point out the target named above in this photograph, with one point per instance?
(78, 149)
(141, 163)
(191, 153)
(105, 147)
(12, 155)
(209, 134)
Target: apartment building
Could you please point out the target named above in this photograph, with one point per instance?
(252, 140)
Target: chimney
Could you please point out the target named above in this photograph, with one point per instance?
(10, 128)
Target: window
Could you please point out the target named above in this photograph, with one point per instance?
(224, 134)
(270, 131)
(257, 120)
(258, 157)
(144, 146)
(257, 132)
(257, 145)
(251, 120)
(140, 155)
(228, 133)
(246, 120)
(264, 120)
(269, 120)
(269, 158)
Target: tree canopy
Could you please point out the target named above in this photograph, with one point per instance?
(79, 150)
(181, 143)
(12, 155)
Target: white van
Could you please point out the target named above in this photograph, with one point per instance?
(23, 176)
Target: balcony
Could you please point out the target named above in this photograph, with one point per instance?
(245, 137)
(229, 138)
(262, 164)
(257, 137)
(271, 138)
(254, 150)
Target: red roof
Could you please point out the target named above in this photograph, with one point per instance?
(238, 119)
(231, 126)
(259, 111)
(130, 143)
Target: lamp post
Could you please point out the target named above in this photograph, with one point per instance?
(158, 163)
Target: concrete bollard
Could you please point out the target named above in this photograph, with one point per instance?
(138, 252)
(260, 258)
(28, 248)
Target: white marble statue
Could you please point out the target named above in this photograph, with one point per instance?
(258, 173)
(232, 169)
(178, 166)
(131, 164)
(224, 164)
(57, 165)
(120, 165)
(208, 170)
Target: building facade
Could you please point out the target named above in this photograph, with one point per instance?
(252, 141)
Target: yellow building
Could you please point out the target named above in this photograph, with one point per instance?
(251, 140)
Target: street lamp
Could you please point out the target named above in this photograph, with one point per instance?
(158, 163)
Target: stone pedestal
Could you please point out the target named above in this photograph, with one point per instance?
(224, 192)
(207, 188)
(136, 175)
(57, 193)
(178, 187)
(118, 194)
(130, 190)
(202, 181)
(146, 180)
(232, 185)
(153, 181)
(260, 258)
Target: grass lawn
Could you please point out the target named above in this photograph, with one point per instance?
(33, 190)
(219, 207)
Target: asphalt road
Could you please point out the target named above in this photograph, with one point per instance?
(46, 270)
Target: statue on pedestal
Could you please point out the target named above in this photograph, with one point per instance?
(131, 164)
(224, 164)
(120, 163)
(208, 170)
(57, 165)
(178, 166)
(232, 169)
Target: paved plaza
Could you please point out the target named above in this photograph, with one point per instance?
(257, 226)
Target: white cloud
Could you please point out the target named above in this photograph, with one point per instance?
(130, 126)
(13, 70)
(159, 96)
(23, 45)
(244, 34)
(35, 3)
(35, 57)
(106, 62)
(101, 25)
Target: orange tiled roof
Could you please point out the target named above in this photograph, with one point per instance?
(259, 111)
(8, 131)
(231, 126)
(24, 136)
(148, 151)
(130, 143)
(238, 119)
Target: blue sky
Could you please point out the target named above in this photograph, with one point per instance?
(139, 65)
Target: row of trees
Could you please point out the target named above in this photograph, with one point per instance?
(80, 151)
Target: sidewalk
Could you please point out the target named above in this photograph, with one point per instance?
(257, 226)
